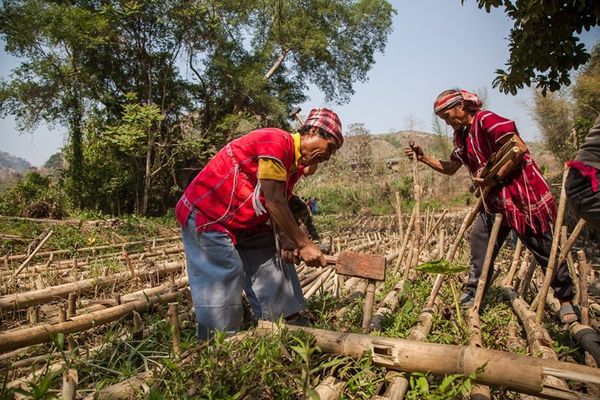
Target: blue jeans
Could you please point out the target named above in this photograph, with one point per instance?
(218, 271)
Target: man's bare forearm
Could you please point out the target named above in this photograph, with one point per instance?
(445, 167)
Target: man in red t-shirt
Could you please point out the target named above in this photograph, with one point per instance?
(229, 213)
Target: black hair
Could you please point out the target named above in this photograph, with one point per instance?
(322, 132)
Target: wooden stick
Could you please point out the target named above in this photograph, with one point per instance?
(583, 287)
(399, 214)
(368, 307)
(570, 263)
(514, 264)
(481, 285)
(176, 328)
(554, 249)
(33, 253)
(404, 242)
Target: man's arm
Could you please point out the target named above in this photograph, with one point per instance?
(448, 167)
(279, 210)
(507, 168)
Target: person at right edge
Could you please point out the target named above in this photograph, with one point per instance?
(582, 180)
(518, 192)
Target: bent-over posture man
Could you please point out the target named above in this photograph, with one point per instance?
(518, 191)
(584, 175)
(230, 214)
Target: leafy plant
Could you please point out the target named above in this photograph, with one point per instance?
(441, 266)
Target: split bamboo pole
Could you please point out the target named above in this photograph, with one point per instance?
(397, 386)
(520, 373)
(45, 332)
(368, 307)
(553, 250)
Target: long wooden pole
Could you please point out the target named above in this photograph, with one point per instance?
(554, 249)
(481, 285)
(33, 253)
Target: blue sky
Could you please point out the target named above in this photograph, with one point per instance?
(435, 45)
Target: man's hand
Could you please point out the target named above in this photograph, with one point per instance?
(414, 149)
(312, 255)
(488, 181)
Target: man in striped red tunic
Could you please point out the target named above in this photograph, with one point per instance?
(518, 191)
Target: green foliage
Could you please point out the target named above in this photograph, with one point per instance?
(451, 387)
(36, 196)
(542, 28)
(81, 59)
(442, 266)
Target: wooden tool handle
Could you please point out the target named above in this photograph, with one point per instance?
(331, 260)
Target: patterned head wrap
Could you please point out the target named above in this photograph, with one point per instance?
(450, 98)
(327, 120)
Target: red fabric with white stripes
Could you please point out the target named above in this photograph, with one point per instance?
(524, 198)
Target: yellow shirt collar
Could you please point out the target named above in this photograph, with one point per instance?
(297, 155)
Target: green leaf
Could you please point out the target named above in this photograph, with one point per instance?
(442, 266)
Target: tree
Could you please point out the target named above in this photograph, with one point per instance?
(359, 147)
(225, 67)
(543, 46)
(565, 117)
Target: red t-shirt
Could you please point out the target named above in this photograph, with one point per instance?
(225, 193)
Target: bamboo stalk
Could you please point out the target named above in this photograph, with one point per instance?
(176, 328)
(69, 388)
(583, 287)
(22, 300)
(368, 307)
(517, 372)
(481, 285)
(388, 305)
(553, 250)
(399, 215)
(528, 276)
(33, 253)
(397, 386)
(514, 264)
(570, 263)
(43, 333)
(404, 242)
(330, 388)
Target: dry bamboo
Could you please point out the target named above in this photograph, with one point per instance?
(517, 372)
(566, 248)
(123, 390)
(481, 285)
(19, 301)
(330, 388)
(404, 241)
(479, 392)
(435, 226)
(397, 386)
(33, 253)
(549, 275)
(538, 338)
(388, 305)
(528, 276)
(514, 264)
(583, 287)
(322, 278)
(176, 328)
(399, 215)
(570, 263)
(69, 388)
(43, 333)
(368, 307)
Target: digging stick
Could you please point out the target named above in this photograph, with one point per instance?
(481, 285)
(554, 249)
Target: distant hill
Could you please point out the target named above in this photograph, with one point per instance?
(17, 164)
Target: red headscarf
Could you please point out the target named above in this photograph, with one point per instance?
(450, 98)
(327, 120)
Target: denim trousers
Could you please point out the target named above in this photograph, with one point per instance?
(218, 271)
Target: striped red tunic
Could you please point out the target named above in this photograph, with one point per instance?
(524, 198)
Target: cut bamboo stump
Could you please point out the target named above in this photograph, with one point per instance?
(520, 373)
(124, 390)
(69, 388)
(514, 264)
(396, 387)
(330, 389)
